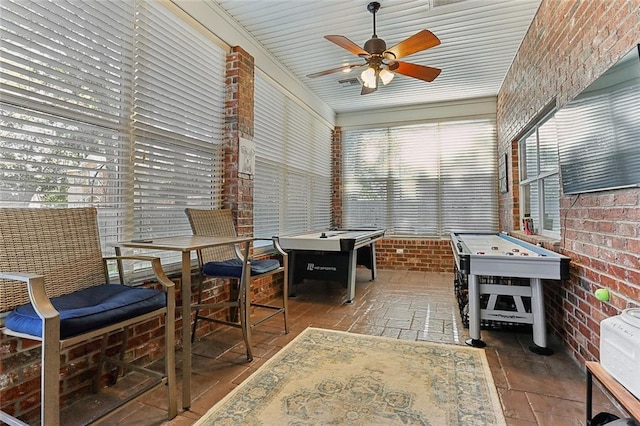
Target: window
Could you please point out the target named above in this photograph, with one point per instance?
(292, 187)
(427, 179)
(102, 106)
(540, 178)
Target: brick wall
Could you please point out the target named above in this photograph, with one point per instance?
(416, 254)
(569, 44)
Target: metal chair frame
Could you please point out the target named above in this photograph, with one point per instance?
(61, 250)
(219, 223)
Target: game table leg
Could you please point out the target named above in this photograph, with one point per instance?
(374, 270)
(351, 284)
(474, 313)
(291, 278)
(539, 322)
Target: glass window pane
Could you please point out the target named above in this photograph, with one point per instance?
(534, 205)
(548, 142)
(525, 203)
(551, 203)
(529, 157)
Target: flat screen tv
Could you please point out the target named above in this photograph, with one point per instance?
(599, 131)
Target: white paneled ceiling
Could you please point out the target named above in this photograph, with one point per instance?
(479, 39)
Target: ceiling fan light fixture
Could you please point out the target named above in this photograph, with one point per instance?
(386, 76)
(369, 78)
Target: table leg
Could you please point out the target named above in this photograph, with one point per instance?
(351, 284)
(292, 286)
(589, 395)
(539, 322)
(245, 300)
(474, 313)
(374, 270)
(186, 329)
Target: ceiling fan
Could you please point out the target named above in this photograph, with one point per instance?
(381, 62)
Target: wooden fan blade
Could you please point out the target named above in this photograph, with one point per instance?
(347, 44)
(366, 90)
(334, 70)
(422, 40)
(421, 72)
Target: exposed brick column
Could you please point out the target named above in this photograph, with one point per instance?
(336, 178)
(237, 191)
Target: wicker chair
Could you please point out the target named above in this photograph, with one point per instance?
(54, 283)
(230, 263)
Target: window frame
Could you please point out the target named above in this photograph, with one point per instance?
(529, 182)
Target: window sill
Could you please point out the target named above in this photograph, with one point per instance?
(545, 242)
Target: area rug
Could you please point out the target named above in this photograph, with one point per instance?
(327, 377)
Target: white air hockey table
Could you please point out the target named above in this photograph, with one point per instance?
(331, 255)
(491, 254)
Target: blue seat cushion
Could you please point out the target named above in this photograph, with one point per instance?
(233, 267)
(90, 309)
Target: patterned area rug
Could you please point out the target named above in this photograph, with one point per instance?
(326, 377)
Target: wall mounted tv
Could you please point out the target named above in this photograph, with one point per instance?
(599, 131)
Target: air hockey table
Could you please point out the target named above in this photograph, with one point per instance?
(491, 254)
(331, 255)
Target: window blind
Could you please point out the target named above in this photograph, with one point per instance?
(427, 179)
(66, 83)
(292, 186)
(598, 139)
(101, 105)
(178, 117)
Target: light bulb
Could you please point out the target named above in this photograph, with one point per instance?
(369, 78)
(386, 76)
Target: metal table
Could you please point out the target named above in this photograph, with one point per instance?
(185, 245)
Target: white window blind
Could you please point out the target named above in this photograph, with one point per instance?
(178, 122)
(293, 165)
(598, 137)
(112, 104)
(426, 179)
(65, 83)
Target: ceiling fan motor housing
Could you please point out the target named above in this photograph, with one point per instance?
(375, 46)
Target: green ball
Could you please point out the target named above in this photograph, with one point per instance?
(602, 294)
